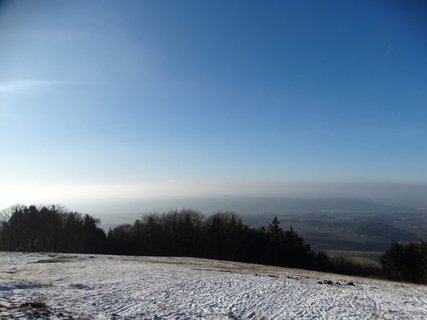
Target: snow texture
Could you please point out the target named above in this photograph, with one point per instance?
(65, 286)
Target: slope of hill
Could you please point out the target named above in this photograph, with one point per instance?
(59, 286)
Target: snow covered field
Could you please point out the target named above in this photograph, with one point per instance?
(59, 286)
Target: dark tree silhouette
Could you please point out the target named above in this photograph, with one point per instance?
(50, 229)
(406, 262)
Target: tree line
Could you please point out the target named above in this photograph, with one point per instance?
(50, 229)
(220, 236)
(188, 233)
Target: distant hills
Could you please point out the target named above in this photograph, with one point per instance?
(325, 223)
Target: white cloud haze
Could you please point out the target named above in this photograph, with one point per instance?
(20, 85)
(77, 195)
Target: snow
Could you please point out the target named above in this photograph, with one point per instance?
(66, 286)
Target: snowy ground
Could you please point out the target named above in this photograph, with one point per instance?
(59, 286)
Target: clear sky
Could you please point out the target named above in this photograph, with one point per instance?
(152, 99)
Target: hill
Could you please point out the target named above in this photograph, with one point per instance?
(64, 286)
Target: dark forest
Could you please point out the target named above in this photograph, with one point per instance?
(188, 233)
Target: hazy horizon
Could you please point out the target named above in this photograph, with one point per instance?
(105, 202)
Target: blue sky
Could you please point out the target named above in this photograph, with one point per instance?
(147, 99)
